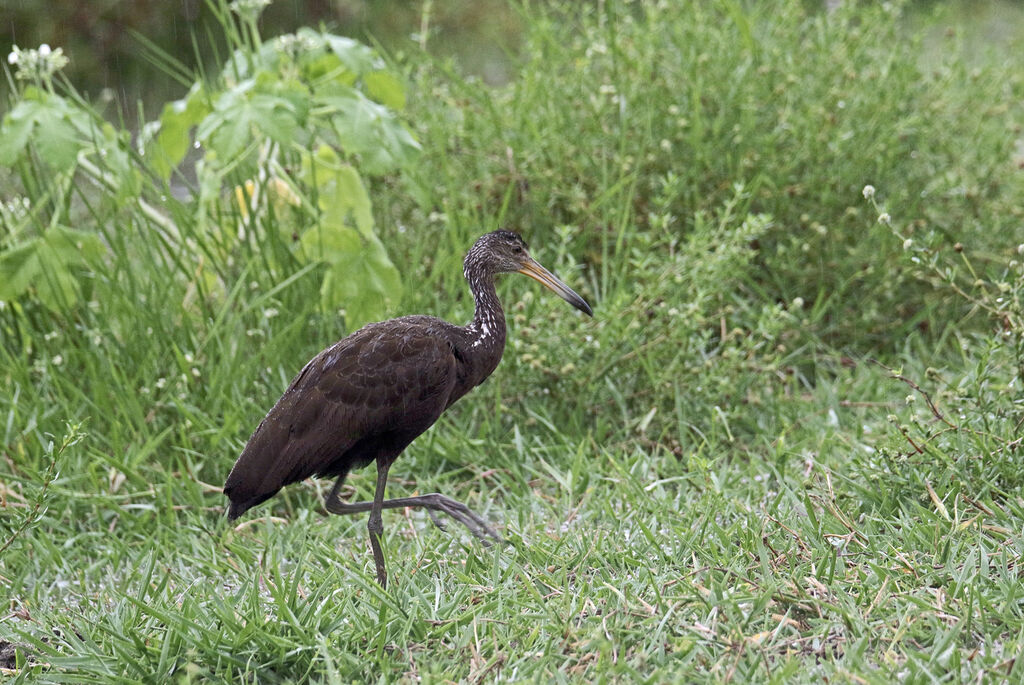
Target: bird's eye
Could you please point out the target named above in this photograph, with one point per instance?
(517, 250)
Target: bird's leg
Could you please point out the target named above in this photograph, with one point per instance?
(434, 502)
(375, 525)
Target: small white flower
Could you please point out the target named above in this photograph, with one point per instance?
(884, 218)
(287, 43)
(195, 372)
(188, 358)
(907, 244)
(798, 303)
(868, 192)
(40, 63)
(248, 9)
(270, 312)
(160, 383)
(1020, 249)
(909, 399)
(58, 360)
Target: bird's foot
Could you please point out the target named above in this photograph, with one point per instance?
(334, 505)
(436, 502)
(437, 520)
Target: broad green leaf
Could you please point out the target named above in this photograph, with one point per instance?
(240, 113)
(16, 129)
(341, 194)
(357, 57)
(330, 242)
(359, 278)
(237, 66)
(19, 266)
(44, 263)
(58, 147)
(176, 121)
(58, 144)
(386, 89)
(397, 147)
(319, 67)
(58, 251)
(73, 247)
(221, 130)
(276, 116)
(345, 201)
(56, 287)
(325, 158)
(110, 153)
(363, 285)
(371, 131)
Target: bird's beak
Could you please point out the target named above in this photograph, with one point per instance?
(538, 273)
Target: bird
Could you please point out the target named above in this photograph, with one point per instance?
(368, 396)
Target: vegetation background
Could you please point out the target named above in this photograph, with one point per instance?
(786, 449)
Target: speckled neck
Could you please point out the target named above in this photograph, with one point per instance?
(487, 329)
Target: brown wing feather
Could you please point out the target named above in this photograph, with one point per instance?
(366, 396)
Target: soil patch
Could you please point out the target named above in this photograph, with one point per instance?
(7, 655)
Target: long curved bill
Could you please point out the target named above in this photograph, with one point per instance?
(539, 273)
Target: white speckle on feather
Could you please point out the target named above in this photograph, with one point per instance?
(485, 330)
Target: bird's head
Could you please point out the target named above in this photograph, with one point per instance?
(506, 252)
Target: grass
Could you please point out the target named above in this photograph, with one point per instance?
(710, 481)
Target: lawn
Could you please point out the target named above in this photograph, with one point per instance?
(785, 449)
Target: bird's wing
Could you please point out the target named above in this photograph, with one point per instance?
(372, 392)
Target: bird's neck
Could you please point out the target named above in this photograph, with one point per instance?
(487, 329)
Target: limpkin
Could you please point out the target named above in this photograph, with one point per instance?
(368, 396)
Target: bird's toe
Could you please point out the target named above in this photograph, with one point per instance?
(437, 520)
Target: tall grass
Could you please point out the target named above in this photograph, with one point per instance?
(682, 101)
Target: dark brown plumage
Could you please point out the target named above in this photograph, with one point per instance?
(368, 396)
